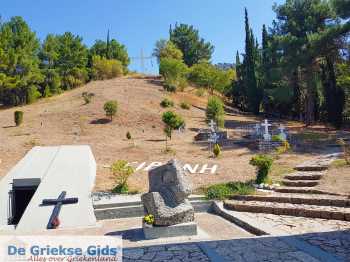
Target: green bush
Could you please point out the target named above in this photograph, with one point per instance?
(111, 108)
(174, 72)
(215, 111)
(217, 150)
(18, 117)
(185, 105)
(200, 92)
(87, 97)
(169, 87)
(263, 164)
(103, 68)
(128, 135)
(166, 103)
(121, 170)
(208, 76)
(225, 190)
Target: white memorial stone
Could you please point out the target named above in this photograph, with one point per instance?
(266, 125)
(48, 171)
(282, 133)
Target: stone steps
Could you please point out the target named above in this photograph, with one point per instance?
(300, 190)
(300, 183)
(300, 210)
(311, 199)
(304, 176)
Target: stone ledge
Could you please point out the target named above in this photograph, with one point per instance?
(317, 200)
(299, 210)
(184, 229)
(300, 183)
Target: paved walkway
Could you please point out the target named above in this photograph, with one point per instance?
(288, 248)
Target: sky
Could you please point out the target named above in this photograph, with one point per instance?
(138, 24)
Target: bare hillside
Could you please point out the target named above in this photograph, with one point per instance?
(65, 119)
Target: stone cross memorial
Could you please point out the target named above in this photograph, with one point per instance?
(266, 125)
(28, 193)
(61, 200)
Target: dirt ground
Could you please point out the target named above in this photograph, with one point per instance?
(65, 119)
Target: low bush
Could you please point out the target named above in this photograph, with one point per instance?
(215, 111)
(128, 135)
(18, 117)
(217, 150)
(87, 97)
(103, 68)
(283, 148)
(166, 103)
(263, 164)
(169, 87)
(174, 72)
(121, 170)
(200, 92)
(110, 108)
(185, 105)
(225, 190)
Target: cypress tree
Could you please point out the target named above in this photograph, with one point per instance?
(250, 80)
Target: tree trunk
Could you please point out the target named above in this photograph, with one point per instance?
(310, 96)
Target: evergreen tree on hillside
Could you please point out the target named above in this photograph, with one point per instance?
(20, 75)
(111, 49)
(194, 48)
(250, 79)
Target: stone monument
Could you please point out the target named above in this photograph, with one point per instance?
(167, 202)
(266, 125)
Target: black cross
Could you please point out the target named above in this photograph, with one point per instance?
(61, 200)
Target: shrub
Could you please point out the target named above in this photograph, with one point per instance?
(346, 149)
(18, 117)
(169, 87)
(87, 97)
(263, 164)
(200, 92)
(285, 147)
(174, 71)
(185, 105)
(32, 94)
(217, 150)
(208, 76)
(121, 170)
(111, 108)
(166, 103)
(128, 135)
(215, 111)
(149, 219)
(225, 190)
(103, 68)
(172, 121)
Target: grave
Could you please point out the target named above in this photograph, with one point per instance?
(28, 193)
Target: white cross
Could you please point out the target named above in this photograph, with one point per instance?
(212, 125)
(257, 129)
(282, 134)
(266, 125)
